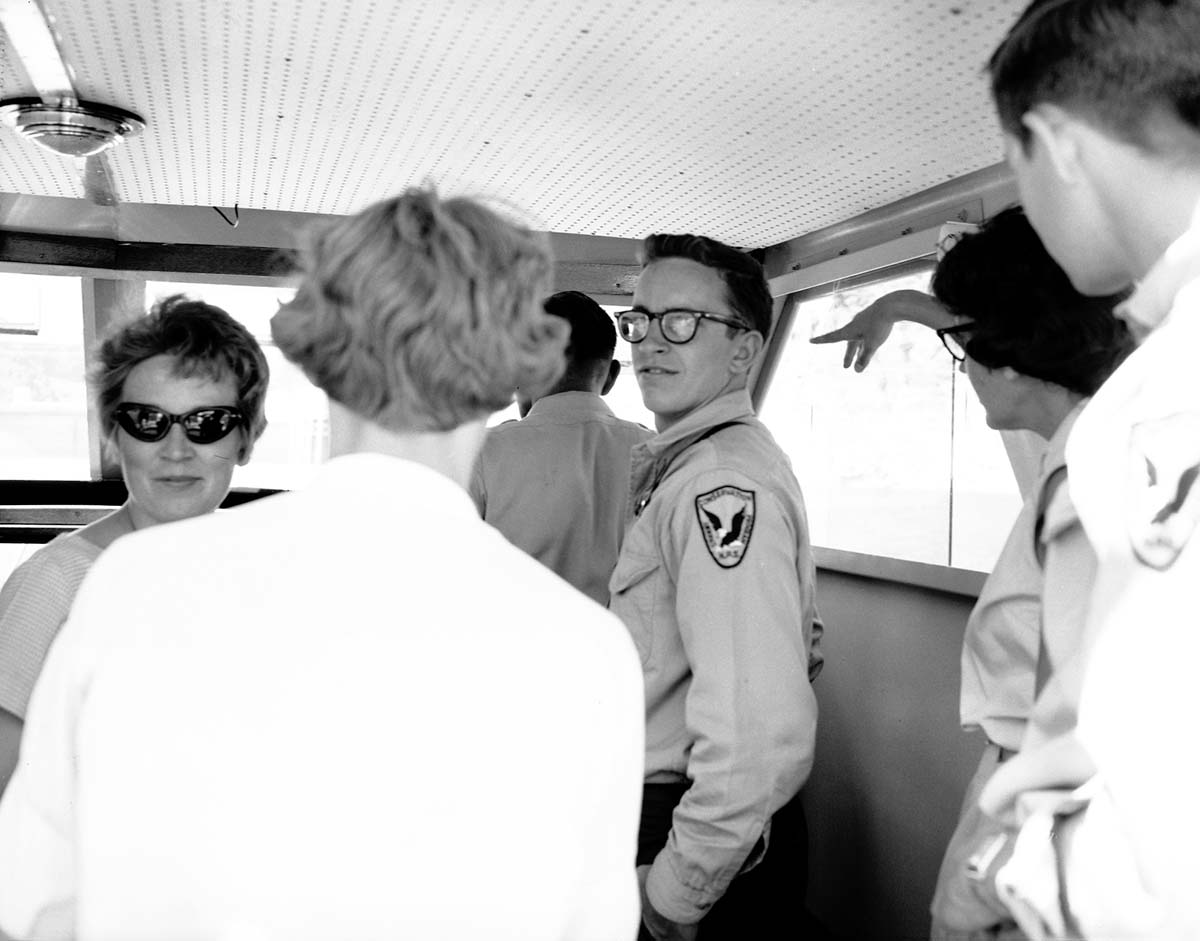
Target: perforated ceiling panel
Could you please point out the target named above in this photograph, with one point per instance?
(751, 121)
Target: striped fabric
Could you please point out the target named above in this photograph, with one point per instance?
(34, 603)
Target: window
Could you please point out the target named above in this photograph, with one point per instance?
(43, 398)
(897, 460)
(297, 435)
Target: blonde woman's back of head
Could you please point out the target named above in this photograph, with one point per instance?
(421, 314)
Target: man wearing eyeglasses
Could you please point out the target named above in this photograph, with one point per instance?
(715, 582)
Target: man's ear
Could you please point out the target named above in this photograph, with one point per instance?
(614, 370)
(1057, 134)
(749, 345)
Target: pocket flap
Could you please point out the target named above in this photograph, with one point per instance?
(630, 570)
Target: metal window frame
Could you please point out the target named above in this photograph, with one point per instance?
(911, 253)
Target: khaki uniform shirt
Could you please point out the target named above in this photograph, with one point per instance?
(715, 582)
(1000, 645)
(556, 484)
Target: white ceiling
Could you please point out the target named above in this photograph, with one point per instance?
(753, 121)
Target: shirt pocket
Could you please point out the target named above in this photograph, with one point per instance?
(634, 591)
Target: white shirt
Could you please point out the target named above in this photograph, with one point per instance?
(1136, 455)
(349, 712)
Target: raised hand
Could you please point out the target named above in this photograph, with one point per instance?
(872, 325)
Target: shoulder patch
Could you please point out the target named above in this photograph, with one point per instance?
(726, 517)
(1163, 496)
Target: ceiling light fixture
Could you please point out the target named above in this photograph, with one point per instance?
(69, 126)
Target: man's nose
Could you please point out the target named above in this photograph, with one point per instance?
(654, 334)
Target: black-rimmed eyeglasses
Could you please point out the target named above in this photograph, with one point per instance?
(678, 326)
(955, 338)
(200, 425)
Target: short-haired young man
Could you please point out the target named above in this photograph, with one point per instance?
(716, 584)
(1100, 104)
(556, 483)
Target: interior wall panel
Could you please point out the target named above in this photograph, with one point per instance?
(892, 762)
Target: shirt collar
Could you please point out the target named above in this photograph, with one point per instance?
(652, 459)
(384, 481)
(1056, 448)
(569, 405)
(730, 406)
(1154, 297)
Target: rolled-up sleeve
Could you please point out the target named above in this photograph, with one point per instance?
(750, 710)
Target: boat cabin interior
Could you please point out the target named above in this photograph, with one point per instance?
(833, 140)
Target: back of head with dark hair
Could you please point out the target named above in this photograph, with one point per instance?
(593, 336)
(1125, 65)
(1024, 312)
(744, 279)
(203, 339)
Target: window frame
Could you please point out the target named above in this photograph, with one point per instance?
(909, 253)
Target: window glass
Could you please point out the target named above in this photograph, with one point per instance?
(43, 395)
(897, 460)
(297, 435)
(986, 498)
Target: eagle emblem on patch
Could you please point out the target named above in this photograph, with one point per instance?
(726, 518)
(1163, 497)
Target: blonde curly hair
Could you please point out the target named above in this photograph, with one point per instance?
(422, 314)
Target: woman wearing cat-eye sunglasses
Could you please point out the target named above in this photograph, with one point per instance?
(185, 364)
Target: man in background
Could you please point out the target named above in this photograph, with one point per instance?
(556, 483)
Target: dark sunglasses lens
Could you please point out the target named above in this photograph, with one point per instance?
(202, 426)
(679, 326)
(145, 424)
(206, 425)
(633, 327)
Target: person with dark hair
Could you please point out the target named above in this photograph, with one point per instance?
(1099, 101)
(353, 710)
(1034, 349)
(716, 584)
(180, 396)
(556, 482)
